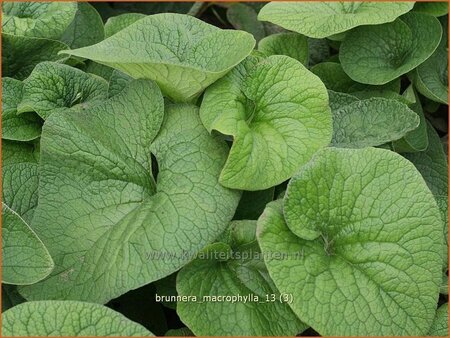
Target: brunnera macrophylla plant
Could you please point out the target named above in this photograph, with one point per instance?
(233, 169)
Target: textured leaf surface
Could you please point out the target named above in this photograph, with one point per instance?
(25, 127)
(440, 323)
(20, 54)
(67, 318)
(85, 29)
(20, 177)
(181, 53)
(289, 44)
(322, 19)
(25, 259)
(431, 77)
(119, 22)
(379, 54)
(96, 185)
(370, 263)
(243, 275)
(118, 82)
(372, 122)
(417, 139)
(37, 19)
(433, 165)
(276, 111)
(53, 87)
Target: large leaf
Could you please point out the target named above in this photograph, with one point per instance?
(371, 122)
(289, 44)
(369, 236)
(321, 19)
(100, 214)
(230, 270)
(181, 53)
(278, 114)
(25, 259)
(85, 29)
(53, 87)
(440, 323)
(20, 54)
(67, 318)
(379, 54)
(25, 127)
(37, 19)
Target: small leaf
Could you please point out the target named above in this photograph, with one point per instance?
(276, 111)
(85, 29)
(372, 122)
(244, 17)
(245, 275)
(289, 44)
(53, 87)
(183, 54)
(117, 23)
(322, 19)
(379, 54)
(20, 54)
(67, 318)
(37, 19)
(25, 127)
(25, 259)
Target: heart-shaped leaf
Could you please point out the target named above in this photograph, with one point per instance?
(181, 53)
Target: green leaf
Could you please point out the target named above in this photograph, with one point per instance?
(117, 23)
(118, 82)
(440, 323)
(370, 261)
(432, 8)
(85, 29)
(20, 177)
(289, 44)
(243, 274)
(53, 87)
(20, 54)
(322, 19)
(431, 77)
(417, 139)
(278, 114)
(67, 318)
(433, 165)
(244, 17)
(372, 122)
(183, 54)
(252, 203)
(97, 184)
(334, 78)
(25, 259)
(37, 19)
(379, 54)
(25, 127)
